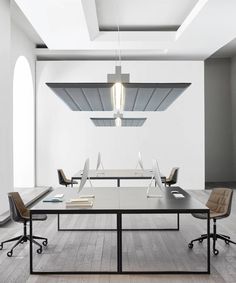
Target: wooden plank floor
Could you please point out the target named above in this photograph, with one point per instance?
(141, 250)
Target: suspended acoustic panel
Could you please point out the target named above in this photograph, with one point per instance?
(125, 122)
(151, 96)
(138, 96)
(85, 96)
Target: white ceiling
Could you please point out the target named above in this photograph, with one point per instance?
(134, 14)
(71, 27)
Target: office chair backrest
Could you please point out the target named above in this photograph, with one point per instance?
(85, 175)
(174, 175)
(220, 201)
(18, 211)
(61, 177)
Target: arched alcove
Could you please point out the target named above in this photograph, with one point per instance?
(23, 124)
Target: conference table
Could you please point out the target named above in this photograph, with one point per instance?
(121, 201)
(117, 174)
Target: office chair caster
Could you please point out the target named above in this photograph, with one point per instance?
(215, 252)
(190, 245)
(200, 240)
(227, 242)
(39, 251)
(9, 254)
(45, 243)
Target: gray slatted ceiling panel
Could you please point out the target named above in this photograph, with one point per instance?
(104, 122)
(130, 97)
(126, 122)
(79, 98)
(106, 98)
(64, 96)
(98, 96)
(156, 99)
(142, 99)
(93, 98)
(133, 122)
(172, 96)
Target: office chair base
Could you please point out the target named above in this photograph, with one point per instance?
(22, 239)
(214, 237)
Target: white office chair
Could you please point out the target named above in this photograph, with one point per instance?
(158, 183)
(85, 176)
(99, 162)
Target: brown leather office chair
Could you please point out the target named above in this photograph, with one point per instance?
(63, 180)
(219, 203)
(19, 213)
(172, 179)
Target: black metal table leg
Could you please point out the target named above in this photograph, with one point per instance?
(118, 182)
(31, 244)
(119, 242)
(177, 221)
(58, 222)
(208, 244)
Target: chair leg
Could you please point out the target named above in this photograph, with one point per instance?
(39, 238)
(45, 240)
(205, 235)
(226, 239)
(39, 250)
(10, 240)
(200, 239)
(224, 236)
(36, 243)
(22, 238)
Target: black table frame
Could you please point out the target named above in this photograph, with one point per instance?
(126, 229)
(119, 230)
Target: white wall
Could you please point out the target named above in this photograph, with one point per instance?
(64, 138)
(24, 109)
(6, 167)
(13, 44)
(218, 121)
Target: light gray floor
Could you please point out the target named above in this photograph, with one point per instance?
(141, 250)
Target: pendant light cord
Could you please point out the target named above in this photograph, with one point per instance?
(119, 51)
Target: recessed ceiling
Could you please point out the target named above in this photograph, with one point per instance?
(73, 26)
(125, 122)
(142, 15)
(138, 96)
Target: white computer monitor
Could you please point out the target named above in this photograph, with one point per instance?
(140, 161)
(158, 189)
(84, 175)
(99, 162)
(157, 174)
